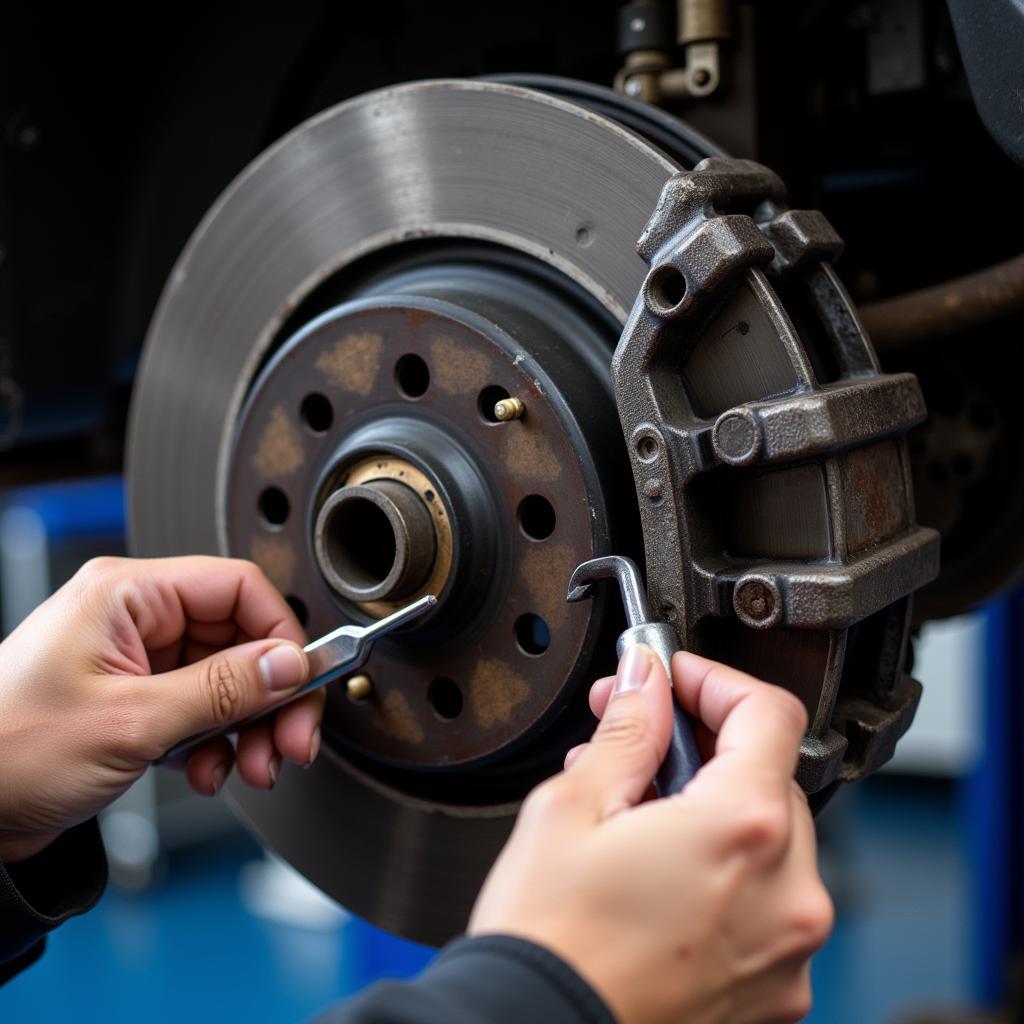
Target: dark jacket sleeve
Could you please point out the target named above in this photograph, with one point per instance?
(39, 893)
(495, 979)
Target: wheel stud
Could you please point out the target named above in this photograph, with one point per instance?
(359, 687)
(508, 409)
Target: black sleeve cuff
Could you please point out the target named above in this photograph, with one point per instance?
(489, 980)
(39, 893)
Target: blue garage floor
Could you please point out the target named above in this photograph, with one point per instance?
(189, 951)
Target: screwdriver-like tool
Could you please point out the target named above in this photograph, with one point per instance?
(333, 655)
(682, 760)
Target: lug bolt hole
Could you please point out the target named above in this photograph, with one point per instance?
(274, 506)
(536, 517)
(489, 398)
(445, 697)
(532, 634)
(317, 413)
(412, 376)
(298, 606)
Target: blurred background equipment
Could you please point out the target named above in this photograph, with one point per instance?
(511, 236)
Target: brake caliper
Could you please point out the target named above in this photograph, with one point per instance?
(770, 462)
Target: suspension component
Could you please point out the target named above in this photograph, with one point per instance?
(648, 39)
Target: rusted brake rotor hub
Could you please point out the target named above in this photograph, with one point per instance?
(370, 442)
(378, 541)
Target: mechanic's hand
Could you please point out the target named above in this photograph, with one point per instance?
(128, 659)
(703, 907)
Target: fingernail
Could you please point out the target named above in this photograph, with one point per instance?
(314, 748)
(282, 668)
(634, 669)
(273, 768)
(220, 773)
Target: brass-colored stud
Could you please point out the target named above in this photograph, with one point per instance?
(358, 687)
(508, 409)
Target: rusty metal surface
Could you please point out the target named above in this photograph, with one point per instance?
(388, 468)
(720, 235)
(946, 309)
(477, 473)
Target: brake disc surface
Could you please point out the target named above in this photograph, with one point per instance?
(473, 161)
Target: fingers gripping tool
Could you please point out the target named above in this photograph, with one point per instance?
(339, 652)
(682, 760)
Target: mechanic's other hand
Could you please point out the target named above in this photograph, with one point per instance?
(129, 658)
(704, 906)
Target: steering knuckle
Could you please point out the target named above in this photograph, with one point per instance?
(222, 682)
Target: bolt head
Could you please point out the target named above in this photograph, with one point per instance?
(736, 437)
(757, 602)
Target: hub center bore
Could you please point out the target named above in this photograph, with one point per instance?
(375, 541)
(384, 537)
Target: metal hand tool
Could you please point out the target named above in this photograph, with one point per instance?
(682, 759)
(333, 655)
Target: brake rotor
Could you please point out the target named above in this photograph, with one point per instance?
(320, 393)
(523, 193)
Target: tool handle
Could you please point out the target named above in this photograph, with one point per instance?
(342, 650)
(682, 760)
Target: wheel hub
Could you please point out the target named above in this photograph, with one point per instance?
(371, 440)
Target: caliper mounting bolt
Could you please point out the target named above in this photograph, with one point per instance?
(758, 602)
